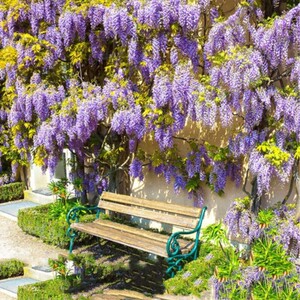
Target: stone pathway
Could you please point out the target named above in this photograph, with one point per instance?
(14, 243)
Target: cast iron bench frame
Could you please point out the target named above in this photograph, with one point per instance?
(174, 248)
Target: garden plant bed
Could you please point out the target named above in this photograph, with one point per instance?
(37, 221)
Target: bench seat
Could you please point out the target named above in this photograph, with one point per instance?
(133, 237)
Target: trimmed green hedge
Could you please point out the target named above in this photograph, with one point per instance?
(11, 268)
(12, 191)
(50, 289)
(37, 221)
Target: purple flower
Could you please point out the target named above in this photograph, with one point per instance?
(198, 282)
(136, 169)
(208, 257)
(179, 183)
(129, 121)
(67, 28)
(186, 275)
(214, 14)
(189, 16)
(95, 15)
(162, 91)
(251, 275)
(188, 48)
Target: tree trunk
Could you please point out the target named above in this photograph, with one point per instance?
(23, 175)
(256, 200)
(122, 176)
(112, 187)
(119, 180)
(269, 8)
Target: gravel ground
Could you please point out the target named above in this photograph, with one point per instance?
(14, 243)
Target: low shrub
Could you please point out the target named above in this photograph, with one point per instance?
(11, 191)
(11, 268)
(50, 289)
(194, 278)
(37, 221)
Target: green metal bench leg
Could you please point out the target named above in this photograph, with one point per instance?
(72, 234)
(71, 245)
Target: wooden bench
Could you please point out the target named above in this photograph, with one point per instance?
(173, 247)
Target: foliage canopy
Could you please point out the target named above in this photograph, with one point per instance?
(100, 77)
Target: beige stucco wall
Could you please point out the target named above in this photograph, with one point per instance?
(38, 179)
(155, 187)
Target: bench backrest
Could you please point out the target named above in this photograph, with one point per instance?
(168, 213)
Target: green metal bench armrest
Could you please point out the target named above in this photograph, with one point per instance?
(73, 215)
(173, 246)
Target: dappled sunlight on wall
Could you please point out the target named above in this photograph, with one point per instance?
(154, 187)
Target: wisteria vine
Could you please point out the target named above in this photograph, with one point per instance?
(99, 78)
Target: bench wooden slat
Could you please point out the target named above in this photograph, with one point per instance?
(153, 204)
(108, 297)
(125, 238)
(137, 232)
(127, 294)
(161, 217)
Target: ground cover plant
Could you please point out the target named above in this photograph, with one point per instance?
(51, 289)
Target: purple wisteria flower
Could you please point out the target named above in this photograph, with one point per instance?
(95, 15)
(136, 169)
(251, 275)
(186, 275)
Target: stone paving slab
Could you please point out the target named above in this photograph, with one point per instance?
(4, 296)
(12, 208)
(11, 285)
(42, 198)
(44, 191)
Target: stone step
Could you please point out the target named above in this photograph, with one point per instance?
(41, 196)
(40, 273)
(10, 209)
(10, 286)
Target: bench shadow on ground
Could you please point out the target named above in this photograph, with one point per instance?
(136, 271)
